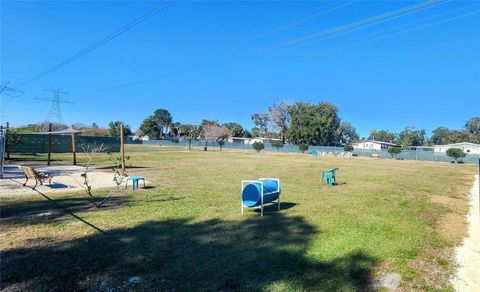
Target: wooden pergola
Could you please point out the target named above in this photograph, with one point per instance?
(67, 131)
(73, 133)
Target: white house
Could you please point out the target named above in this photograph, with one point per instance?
(373, 145)
(242, 140)
(469, 148)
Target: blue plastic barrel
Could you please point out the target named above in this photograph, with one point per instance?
(251, 194)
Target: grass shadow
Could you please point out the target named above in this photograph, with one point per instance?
(183, 255)
(160, 200)
(126, 167)
(273, 207)
(50, 210)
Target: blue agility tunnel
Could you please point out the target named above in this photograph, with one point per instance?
(259, 192)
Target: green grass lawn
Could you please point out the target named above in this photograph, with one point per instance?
(186, 231)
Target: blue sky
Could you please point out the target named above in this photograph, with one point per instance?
(420, 69)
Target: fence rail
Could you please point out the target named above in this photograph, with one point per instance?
(421, 155)
(33, 143)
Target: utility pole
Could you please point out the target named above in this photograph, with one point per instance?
(9, 91)
(55, 113)
(5, 90)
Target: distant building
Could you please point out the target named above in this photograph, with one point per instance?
(239, 140)
(242, 140)
(373, 145)
(420, 148)
(469, 148)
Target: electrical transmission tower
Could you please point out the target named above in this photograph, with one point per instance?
(11, 92)
(55, 114)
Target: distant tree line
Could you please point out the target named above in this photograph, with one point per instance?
(411, 136)
(298, 123)
(470, 133)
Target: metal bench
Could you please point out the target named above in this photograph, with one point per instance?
(39, 177)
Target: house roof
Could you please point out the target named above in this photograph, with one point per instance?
(378, 142)
(259, 138)
(459, 144)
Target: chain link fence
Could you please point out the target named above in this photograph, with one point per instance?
(35, 143)
(423, 155)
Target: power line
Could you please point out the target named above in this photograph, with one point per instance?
(403, 25)
(321, 13)
(367, 21)
(11, 92)
(298, 21)
(354, 25)
(367, 25)
(409, 30)
(106, 39)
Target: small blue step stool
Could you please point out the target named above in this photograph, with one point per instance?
(135, 180)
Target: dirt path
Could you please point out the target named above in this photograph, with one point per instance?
(66, 179)
(467, 276)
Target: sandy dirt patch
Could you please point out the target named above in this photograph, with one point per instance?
(66, 179)
(467, 256)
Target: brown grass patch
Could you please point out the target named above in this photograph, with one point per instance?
(452, 227)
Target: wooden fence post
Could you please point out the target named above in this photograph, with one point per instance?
(122, 148)
(49, 144)
(74, 148)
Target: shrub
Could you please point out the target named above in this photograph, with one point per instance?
(456, 153)
(176, 141)
(13, 139)
(394, 151)
(277, 144)
(348, 148)
(258, 146)
(303, 147)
